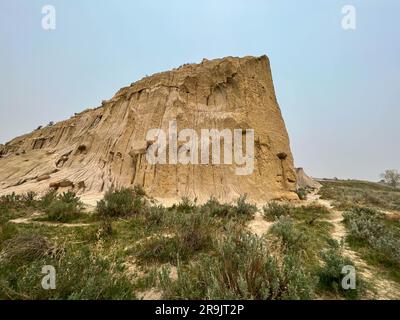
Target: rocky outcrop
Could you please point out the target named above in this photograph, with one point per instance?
(306, 182)
(106, 146)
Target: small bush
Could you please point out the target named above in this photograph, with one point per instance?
(48, 198)
(155, 216)
(302, 193)
(9, 199)
(105, 229)
(244, 209)
(29, 198)
(368, 225)
(242, 268)
(122, 202)
(216, 209)
(7, 231)
(331, 276)
(80, 274)
(192, 234)
(274, 210)
(293, 240)
(161, 249)
(18, 201)
(63, 208)
(186, 205)
(25, 248)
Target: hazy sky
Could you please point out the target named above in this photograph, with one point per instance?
(339, 90)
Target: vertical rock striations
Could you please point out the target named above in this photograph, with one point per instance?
(106, 147)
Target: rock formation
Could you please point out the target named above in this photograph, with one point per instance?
(306, 182)
(105, 147)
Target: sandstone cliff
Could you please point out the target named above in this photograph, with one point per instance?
(105, 147)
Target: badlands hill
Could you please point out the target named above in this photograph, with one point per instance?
(304, 181)
(105, 147)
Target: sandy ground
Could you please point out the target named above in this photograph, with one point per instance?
(30, 220)
(258, 225)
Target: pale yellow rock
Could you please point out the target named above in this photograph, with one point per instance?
(105, 147)
(304, 181)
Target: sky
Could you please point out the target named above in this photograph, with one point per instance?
(339, 90)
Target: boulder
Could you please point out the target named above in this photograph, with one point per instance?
(43, 177)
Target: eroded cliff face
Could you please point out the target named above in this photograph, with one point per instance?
(106, 147)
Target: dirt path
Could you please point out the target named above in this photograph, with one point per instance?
(29, 220)
(259, 226)
(383, 288)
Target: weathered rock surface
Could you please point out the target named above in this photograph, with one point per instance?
(306, 182)
(105, 147)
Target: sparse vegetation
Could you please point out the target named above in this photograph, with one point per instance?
(81, 274)
(240, 210)
(25, 248)
(391, 177)
(186, 205)
(64, 207)
(302, 193)
(376, 237)
(130, 244)
(243, 208)
(191, 233)
(292, 239)
(330, 274)
(243, 267)
(347, 194)
(274, 210)
(216, 209)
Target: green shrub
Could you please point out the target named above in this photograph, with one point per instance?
(330, 274)
(7, 231)
(365, 223)
(242, 268)
(48, 198)
(122, 202)
(369, 226)
(192, 234)
(18, 201)
(274, 210)
(80, 274)
(61, 212)
(161, 249)
(244, 209)
(105, 229)
(9, 199)
(185, 205)
(194, 231)
(62, 208)
(293, 240)
(29, 198)
(155, 216)
(302, 193)
(216, 209)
